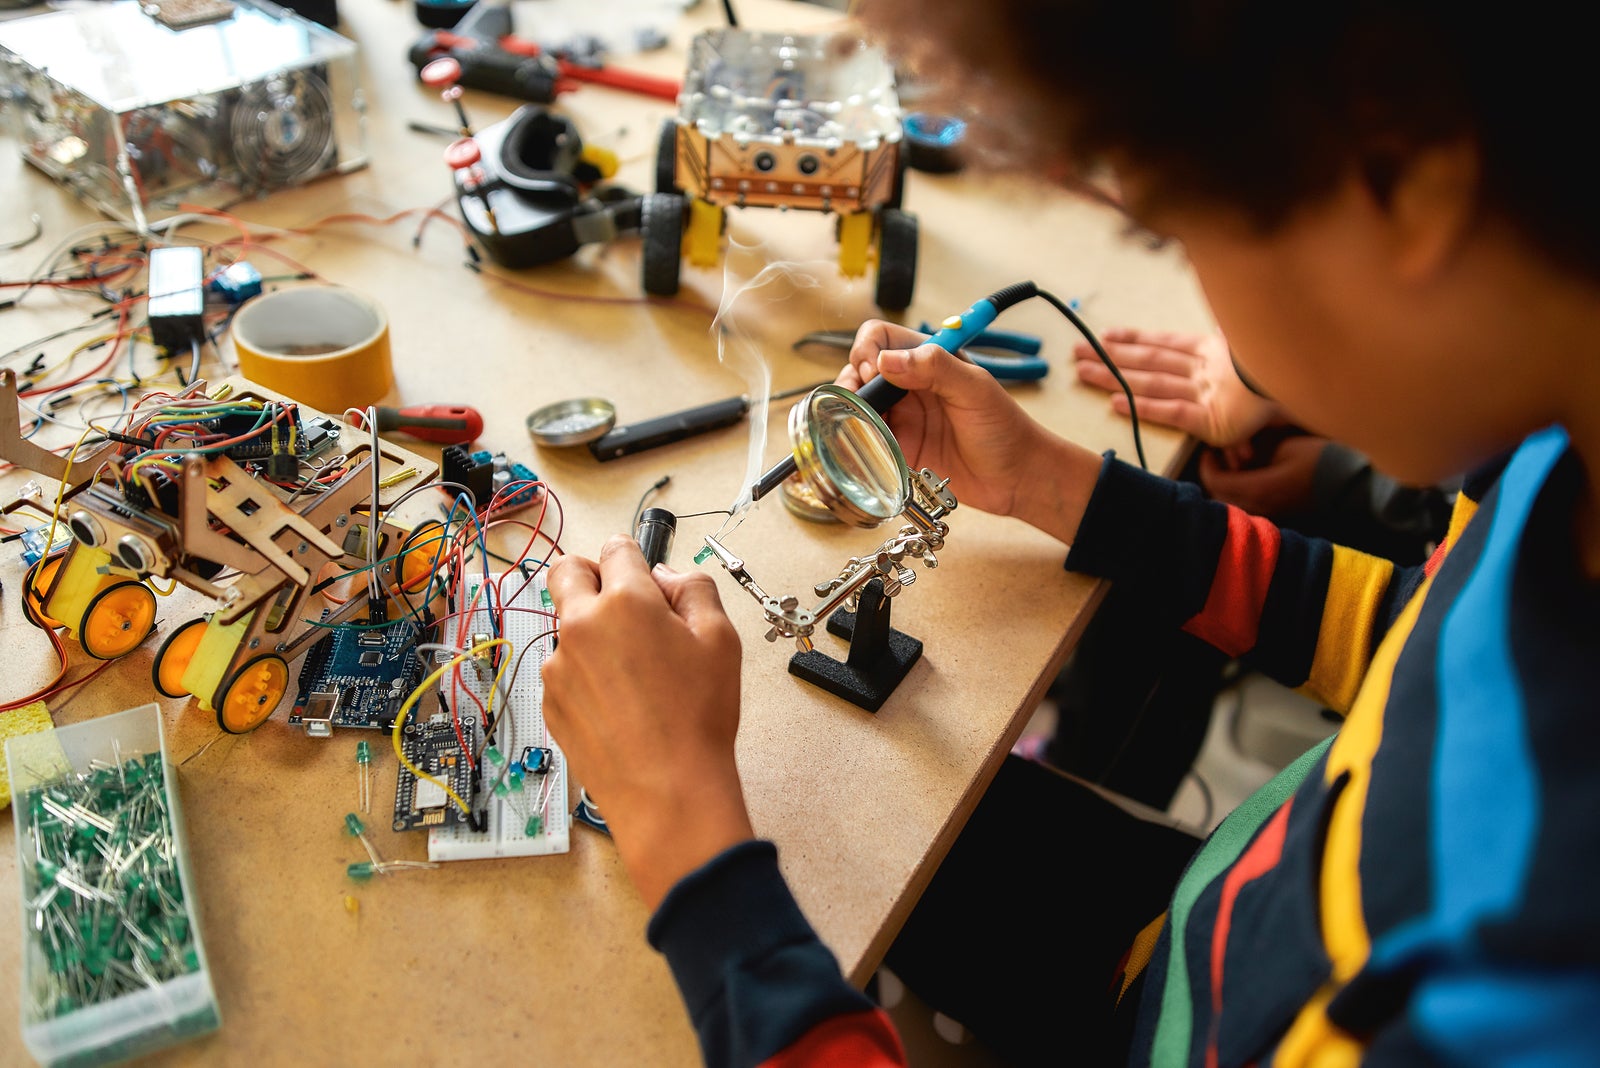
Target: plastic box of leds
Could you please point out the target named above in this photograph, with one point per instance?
(112, 962)
(136, 116)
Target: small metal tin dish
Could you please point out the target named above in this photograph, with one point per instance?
(572, 422)
(798, 498)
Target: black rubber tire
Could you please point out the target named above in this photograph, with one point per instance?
(897, 259)
(662, 229)
(161, 653)
(667, 157)
(30, 611)
(897, 192)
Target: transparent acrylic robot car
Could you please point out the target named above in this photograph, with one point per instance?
(809, 122)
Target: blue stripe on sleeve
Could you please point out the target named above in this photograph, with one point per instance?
(1484, 839)
(1511, 1020)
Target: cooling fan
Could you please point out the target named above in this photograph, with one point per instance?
(282, 130)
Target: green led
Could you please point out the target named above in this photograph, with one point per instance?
(363, 753)
(545, 599)
(495, 756)
(353, 824)
(361, 871)
(533, 826)
(703, 555)
(501, 789)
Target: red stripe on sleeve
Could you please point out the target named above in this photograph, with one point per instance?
(1260, 858)
(854, 1040)
(1231, 618)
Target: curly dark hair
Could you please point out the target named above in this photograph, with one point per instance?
(1262, 105)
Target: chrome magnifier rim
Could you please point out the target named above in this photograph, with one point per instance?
(819, 469)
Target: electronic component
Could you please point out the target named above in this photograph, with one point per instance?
(236, 283)
(433, 747)
(364, 775)
(279, 446)
(33, 546)
(505, 473)
(318, 434)
(357, 678)
(458, 465)
(140, 119)
(183, 14)
(526, 808)
(177, 296)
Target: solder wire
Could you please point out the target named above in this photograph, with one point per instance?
(411, 701)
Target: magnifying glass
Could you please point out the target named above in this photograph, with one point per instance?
(844, 455)
(847, 458)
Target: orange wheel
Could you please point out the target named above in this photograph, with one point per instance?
(252, 694)
(418, 553)
(118, 618)
(34, 587)
(172, 659)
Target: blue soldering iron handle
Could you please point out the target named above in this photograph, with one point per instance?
(954, 333)
(882, 395)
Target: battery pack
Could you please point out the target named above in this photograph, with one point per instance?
(177, 297)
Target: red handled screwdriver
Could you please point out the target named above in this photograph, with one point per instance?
(443, 424)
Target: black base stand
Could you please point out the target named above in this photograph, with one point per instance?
(880, 656)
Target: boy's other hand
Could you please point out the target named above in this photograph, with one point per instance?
(642, 695)
(1185, 381)
(1277, 483)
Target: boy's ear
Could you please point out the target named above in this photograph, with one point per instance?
(1429, 197)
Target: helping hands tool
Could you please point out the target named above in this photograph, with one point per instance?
(955, 332)
(665, 429)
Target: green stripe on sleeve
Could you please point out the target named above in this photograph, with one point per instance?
(1175, 1024)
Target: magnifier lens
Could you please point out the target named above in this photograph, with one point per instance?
(849, 458)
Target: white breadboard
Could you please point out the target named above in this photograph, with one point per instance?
(510, 810)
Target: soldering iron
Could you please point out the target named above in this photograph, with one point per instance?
(954, 332)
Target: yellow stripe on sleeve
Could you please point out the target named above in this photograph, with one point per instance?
(1313, 1041)
(1355, 589)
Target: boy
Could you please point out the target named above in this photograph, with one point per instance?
(1390, 234)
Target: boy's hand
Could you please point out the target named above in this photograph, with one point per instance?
(642, 694)
(1277, 484)
(1186, 381)
(959, 421)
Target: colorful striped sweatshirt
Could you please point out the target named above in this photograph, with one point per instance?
(1422, 888)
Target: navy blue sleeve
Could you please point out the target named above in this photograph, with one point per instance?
(751, 969)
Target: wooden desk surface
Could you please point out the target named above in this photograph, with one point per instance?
(546, 957)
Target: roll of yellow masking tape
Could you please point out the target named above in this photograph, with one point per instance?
(325, 346)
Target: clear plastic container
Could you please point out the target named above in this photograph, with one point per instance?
(95, 805)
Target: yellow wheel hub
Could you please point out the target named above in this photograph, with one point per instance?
(118, 618)
(252, 694)
(173, 658)
(424, 546)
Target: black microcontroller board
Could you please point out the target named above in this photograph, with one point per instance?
(311, 436)
(432, 746)
(357, 678)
